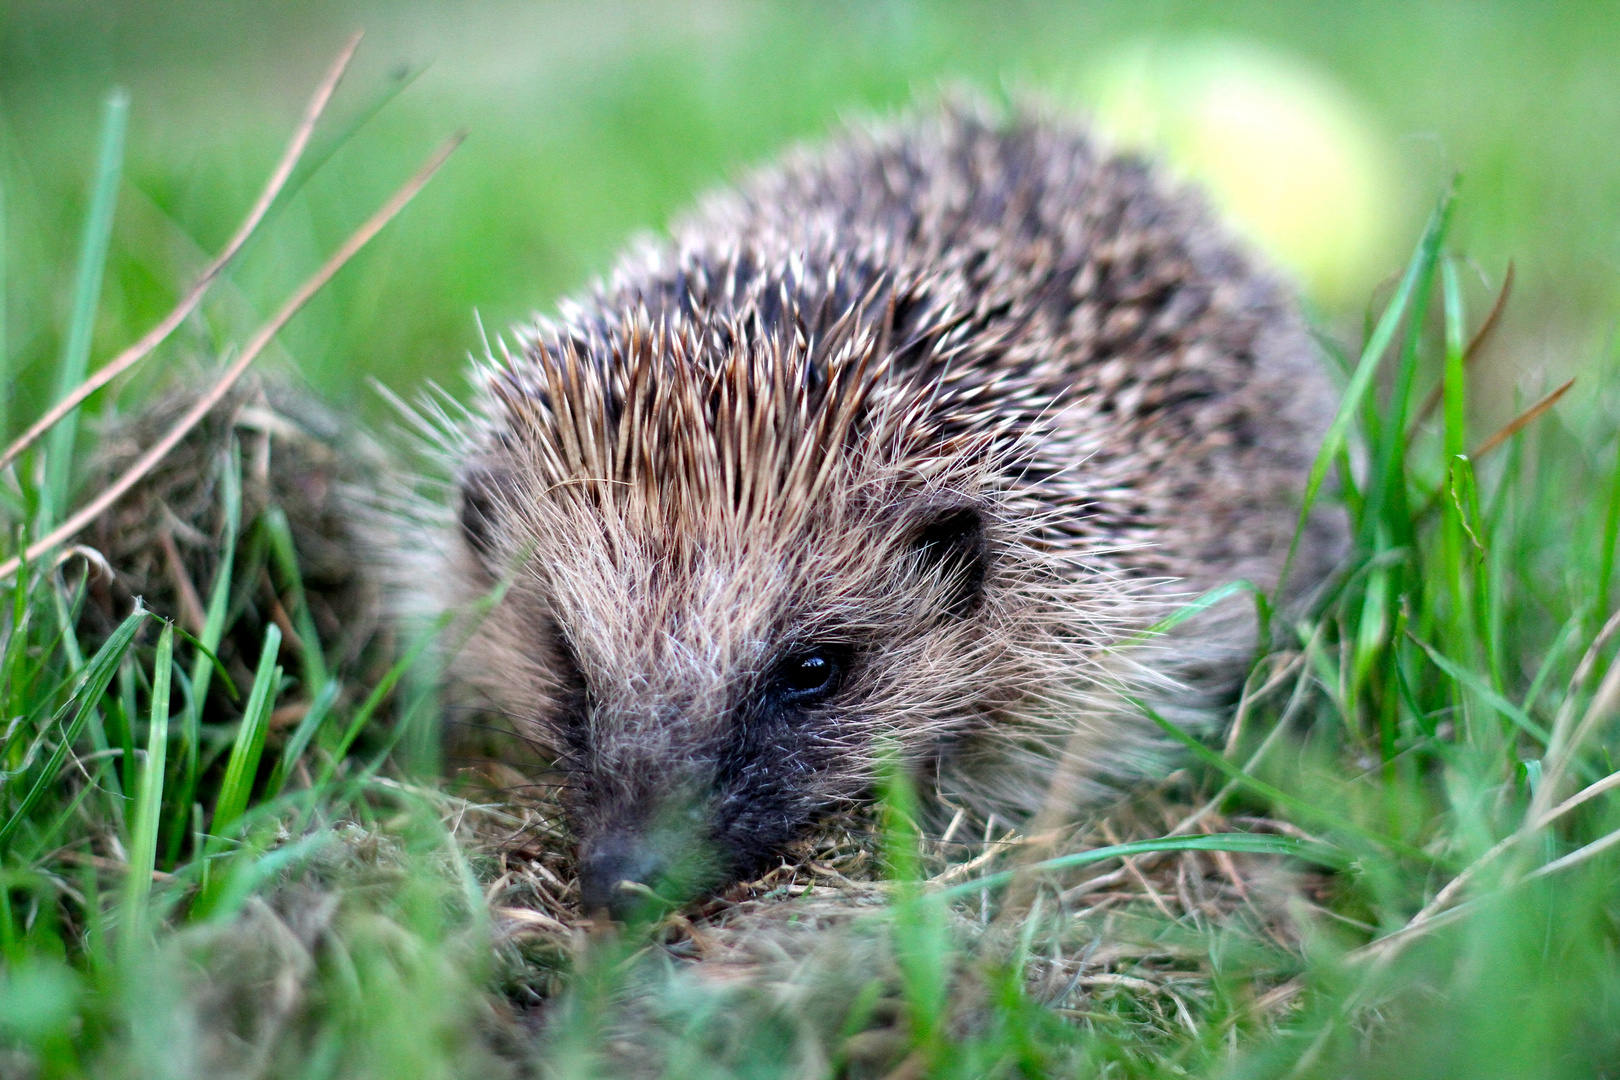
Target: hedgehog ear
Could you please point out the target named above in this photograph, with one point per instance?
(951, 544)
(484, 490)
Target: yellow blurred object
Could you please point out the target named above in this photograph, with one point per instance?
(1284, 151)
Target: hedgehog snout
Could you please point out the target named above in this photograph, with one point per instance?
(612, 867)
(652, 857)
(676, 838)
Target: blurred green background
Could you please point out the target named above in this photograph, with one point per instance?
(1329, 128)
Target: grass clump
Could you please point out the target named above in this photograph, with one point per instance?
(1400, 861)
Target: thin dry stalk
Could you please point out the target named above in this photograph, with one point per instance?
(159, 333)
(1579, 855)
(1556, 747)
(111, 494)
(191, 607)
(1604, 705)
(1524, 419)
(1141, 879)
(1249, 699)
(1430, 917)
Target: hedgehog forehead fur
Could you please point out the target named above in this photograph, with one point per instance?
(946, 407)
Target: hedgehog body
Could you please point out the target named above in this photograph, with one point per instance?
(881, 456)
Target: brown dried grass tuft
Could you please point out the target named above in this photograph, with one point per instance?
(163, 541)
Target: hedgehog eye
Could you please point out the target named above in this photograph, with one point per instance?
(809, 677)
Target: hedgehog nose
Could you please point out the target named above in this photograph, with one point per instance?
(610, 868)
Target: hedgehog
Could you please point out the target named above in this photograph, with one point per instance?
(883, 460)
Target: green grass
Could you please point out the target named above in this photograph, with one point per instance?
(186, 884)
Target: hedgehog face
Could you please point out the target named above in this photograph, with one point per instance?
(712, 686)
(747, 558)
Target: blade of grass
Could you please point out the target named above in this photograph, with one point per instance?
(1550, 661)
(243, 766)
(86, 301)
(1073, 762)
(921, 932)
(362, 715)
(16, 645)
(409, 718)
(1372, 630)
(1465, 501)
(159, 333)
(1246, 843)
(1565, 745)
(223, 896)
(1197, 606)
(1435, 912)
(121, 725)
(143, 833)
(1484, 692)
(313, 717)
(1455, 601)
(67, 613)
(5, 303)
(1276, 795)
(285, 554)
(1360, 382)
(67, 621)
(1578, 856)
(1295, 701)
(1453, 387)
(1387, 499)
(1611, 535)
(219, 592)
(92, 684)
(115, 491)
(202, 669)
(215, 664)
